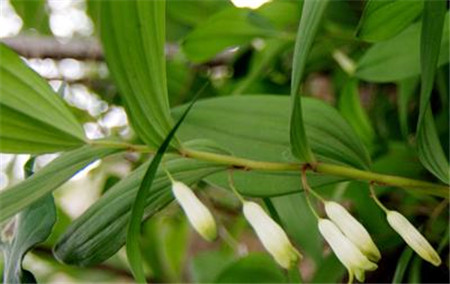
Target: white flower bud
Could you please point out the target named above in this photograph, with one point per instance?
(413, 237)
(350, 256)
(271, 235)
(352, 229)
(198, 214)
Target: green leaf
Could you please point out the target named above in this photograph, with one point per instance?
(256, 127)
(351, 109)
(402, 264)
(23, 194)
(33, 226)
(399, 57)
(138, 207)
(33, 14)
(382, 20)
(101, 230)
(230, 27)
(253, 268)
(33, 118)
(430, 150)
(312, 13)
(133, 37)
(206, 266)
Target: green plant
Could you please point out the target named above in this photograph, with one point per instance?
(294, 153)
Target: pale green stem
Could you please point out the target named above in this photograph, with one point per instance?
(375, 198)
(307, 190)
(233, 188)
(323, 168)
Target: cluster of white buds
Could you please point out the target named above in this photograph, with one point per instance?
(268, 231)
(272, 236)
(349, 240)
(198, 214)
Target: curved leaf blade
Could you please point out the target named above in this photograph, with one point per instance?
(138, 208)
(230, 27)
(399, 57)
(312, 13)
(246, 127)
(382, 20)
(33, 118)
(430, 150)
(33, 226)
(133, 37)
(101, 230)
(21, 195)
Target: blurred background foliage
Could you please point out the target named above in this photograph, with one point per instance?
(243, 51)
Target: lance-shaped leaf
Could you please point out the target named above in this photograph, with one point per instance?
(138, 208)
(33, 118)
(23, 194)
(33, 226)
(430, 150)
(230, 27)
(101, 230)
(312, 13)
(133, 37)
(383, 19)
(399, 57)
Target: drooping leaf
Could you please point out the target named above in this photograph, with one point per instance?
(312, 13)
(430, 150)
(133, 37)
(399, 57)
(382, 20)
(248, 128)
(33, 226)
(139, 204)
(23, 194)
(253, 268)
(350, 107)
(101, 230)
(33, 118)
(228, 28)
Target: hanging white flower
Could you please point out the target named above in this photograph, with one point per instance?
(350, 256)
(352, 229)
(413, 237)
(198, 214)
(271, 235)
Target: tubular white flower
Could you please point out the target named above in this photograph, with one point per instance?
(198, 214)
(271, 235)
(352, 229)
(350, 256)
(413, 237)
